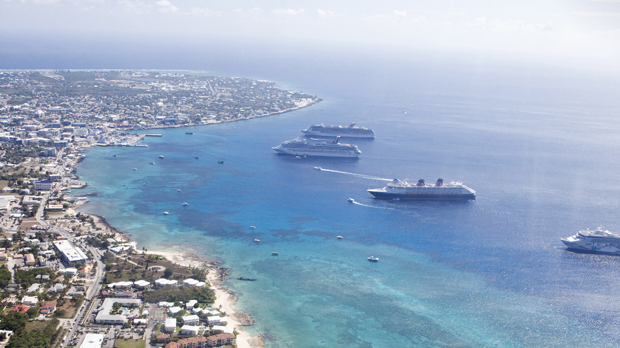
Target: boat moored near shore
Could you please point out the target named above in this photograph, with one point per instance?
(350, 131)
(597, 241)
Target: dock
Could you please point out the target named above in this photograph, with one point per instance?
(152, 135)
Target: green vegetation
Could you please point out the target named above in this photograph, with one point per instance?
(27, 278)
(5, 276)
(129, 343)
(32, 337)
(202, 295)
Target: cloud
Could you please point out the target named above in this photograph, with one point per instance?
(325, 14)
(598, 14)
(616, 1)
(287, 12)
(205, 12)
(165, 6)
(509, 26)
(398, 13)
(137, 7)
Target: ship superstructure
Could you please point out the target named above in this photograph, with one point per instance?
(403, 190)
(350, 131)
(599, 241)
(299, 147)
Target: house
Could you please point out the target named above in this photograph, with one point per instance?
(220, 339)
(3, 257)
(47, 308)
(142, 284)
(162, 282)
(215, 320)
(45, 185)
(163, 338)
(174, 310)
(20, 308)
(222, 329)
(56, 288)
(190, 304)
(33, 288)
(29, 260)
(190, 320)
(30, 300)
(104, 316)
(170, 325)
(190, 282)
(189, 330)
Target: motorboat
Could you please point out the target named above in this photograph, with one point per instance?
(185, 204)
(152, 163)
(257, 240)
(339, 237)
(373, 259)
(166, 213)
(275, 253)
(220, 162)
(253, 227)
(135, 169)
(351, 200)
(318, 168)
(161, 156)
(178, 190)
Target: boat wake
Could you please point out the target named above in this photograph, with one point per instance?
(371, 206)
(363, 176)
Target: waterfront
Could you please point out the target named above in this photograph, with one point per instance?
(487, 273)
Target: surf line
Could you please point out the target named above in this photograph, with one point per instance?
(371, 206)
(363, 176)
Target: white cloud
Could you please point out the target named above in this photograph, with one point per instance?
(400, 13)
(205, 12)
(287, 12)
(165, 6)
(598, 14)
(325, 14)
(137, 7)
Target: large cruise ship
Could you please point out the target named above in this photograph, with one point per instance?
(439, 191)
(599, 241)
(350, 131)
(299, 147)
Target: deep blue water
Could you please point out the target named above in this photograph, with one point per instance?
(540, 147)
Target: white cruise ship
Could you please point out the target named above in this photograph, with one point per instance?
(402, 190)
(299, 147)
(350, 131)
(599, 241)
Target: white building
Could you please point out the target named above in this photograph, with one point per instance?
(191, 320)
(189, 330)
(222, 329)
(93, 341)
(162, 282)
(190, 282)
(69, 252)
(30, 300)
(170, 325)
(5, 202)
(190, 304)
(174, 310)
(45, 185)
(104, 316)
(142, 284)
(214, 320)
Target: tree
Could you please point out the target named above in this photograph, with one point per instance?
(168, 272)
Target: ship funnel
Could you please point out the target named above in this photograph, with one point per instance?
(420, 182)
(439, 182)
(335, 140)
(352, 125)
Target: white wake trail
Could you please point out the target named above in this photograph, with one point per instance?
(369, 177)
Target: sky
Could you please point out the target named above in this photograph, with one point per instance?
(570, 32)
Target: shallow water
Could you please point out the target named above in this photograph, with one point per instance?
(491, 272)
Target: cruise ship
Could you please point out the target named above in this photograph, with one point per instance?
(439, 191)
(599, 241)
(299, 147)
(350, 131)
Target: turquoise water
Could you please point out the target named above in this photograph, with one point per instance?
(487, 273)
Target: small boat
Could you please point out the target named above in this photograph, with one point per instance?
(297, 157)
(135, 169)
(373, 259)
(196, 157)
(185, 204)
(161, 156)
(257, 240)
(339, 237)
(114, 155)
(166, 213)
(190, 133)
(318, 168)
(396, 199)
(220, 162)
(351, 200)
(178, 190)
(247, 279)
(275, 253)
(253, 227)
(152, 163)
(143, 184)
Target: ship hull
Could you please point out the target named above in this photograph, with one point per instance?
(342, 135)
(592, 247)
(299, 152)
(421, 197)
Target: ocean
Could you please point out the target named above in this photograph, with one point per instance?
(539, 145)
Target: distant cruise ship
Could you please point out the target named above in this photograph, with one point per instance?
(350, 131)
(599, 240)
(299, 147)
(398, 189)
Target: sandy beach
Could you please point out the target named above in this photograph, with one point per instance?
(225, 298)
